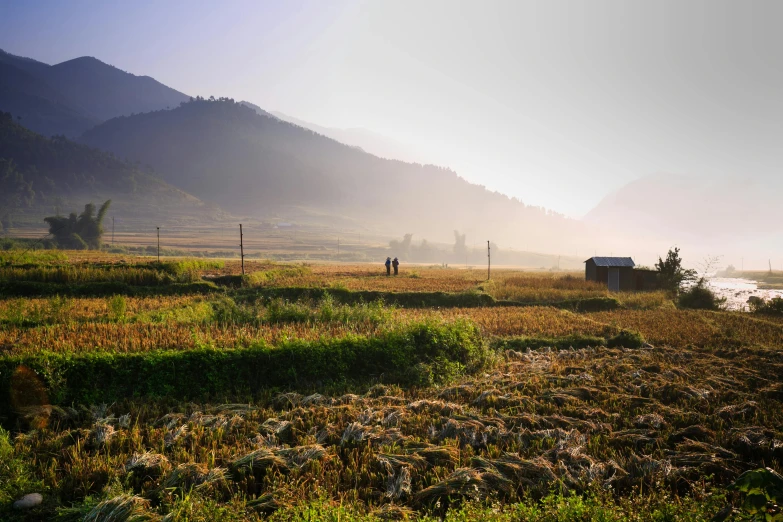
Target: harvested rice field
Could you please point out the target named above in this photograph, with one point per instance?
(184, 391)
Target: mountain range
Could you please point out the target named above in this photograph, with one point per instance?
(716, 212)
(70, 97)
(249, 161)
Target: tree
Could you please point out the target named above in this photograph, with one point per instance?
(79, 232)
(459, 244)
(671, 274)
(402, 248)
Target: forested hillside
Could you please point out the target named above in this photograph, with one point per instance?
(246, 162)
(40, 176)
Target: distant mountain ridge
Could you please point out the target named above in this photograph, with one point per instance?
(248, 162)
(70, 97)
(715, 212)
(367, 140)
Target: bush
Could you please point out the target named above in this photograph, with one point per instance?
(626, 339)
(118, 307)
(225, 311)
(699, 297)
(772, 307)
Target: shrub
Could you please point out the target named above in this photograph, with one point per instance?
(226, 311)
(59, 309)
(279, 311)
(699, 297)
(626, 339)
(118, 307)
(773, 306)
(763, 490)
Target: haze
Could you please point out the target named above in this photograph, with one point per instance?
(558, 104)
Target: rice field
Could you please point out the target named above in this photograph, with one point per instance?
(561, 419)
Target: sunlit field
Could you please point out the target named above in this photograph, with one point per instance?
(334, 392)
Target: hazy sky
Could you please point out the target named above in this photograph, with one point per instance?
(557, 103)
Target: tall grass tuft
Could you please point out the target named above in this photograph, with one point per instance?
(122, 508)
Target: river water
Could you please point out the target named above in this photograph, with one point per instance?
(737, 291)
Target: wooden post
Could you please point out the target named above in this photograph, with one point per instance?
(241, 249)
(158, 244)
(489, 260)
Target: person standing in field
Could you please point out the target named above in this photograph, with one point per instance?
(396, 265)
(388, 266)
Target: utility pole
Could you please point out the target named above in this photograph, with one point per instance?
(112, 231)
(158, 244)
(489, 260)
(241, 249)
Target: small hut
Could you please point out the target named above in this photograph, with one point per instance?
(616, 272)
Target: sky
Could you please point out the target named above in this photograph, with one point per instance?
(558, 103)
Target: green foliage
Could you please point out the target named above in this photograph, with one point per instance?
(22, 257)
(421, 353)
(20, 313)
(626, 339)
(16, 477)
(117, 306)
(700, 297)
(102, 289)
(59, 308)
(763, 489)
(187, 271)
(38, 170)
(276, 276)
(326, 310)
(199, 312)
(143, 275)
(226, 311)
(79, 233)
(772, 306)
(554, 507)
(671, 274)
(15, 312)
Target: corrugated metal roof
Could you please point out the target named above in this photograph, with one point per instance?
(613, 261)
